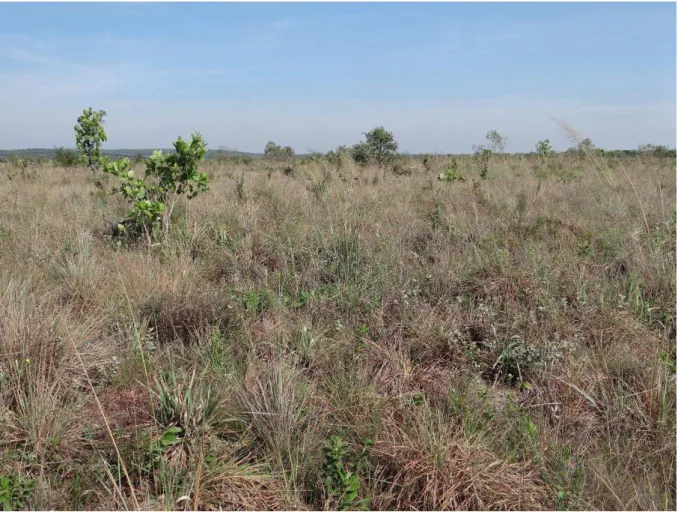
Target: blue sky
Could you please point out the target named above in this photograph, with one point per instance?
(316, 75)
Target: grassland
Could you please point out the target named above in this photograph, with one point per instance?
(506, 343)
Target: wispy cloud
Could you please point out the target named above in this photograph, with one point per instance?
(23, 55)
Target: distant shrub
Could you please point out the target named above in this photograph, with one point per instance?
(89, 136)
(496, 141)
(335, 157)
(483, 156)
(379, 147)
(65, 158)
(544, 147)
(276, 152)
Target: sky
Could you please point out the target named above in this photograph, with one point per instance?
(317, 75)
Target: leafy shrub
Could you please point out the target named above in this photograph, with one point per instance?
(168, 176)
(341, 484)
(451, 174)
(65, 158)
(483, 156)
(275, 152)
(15, 490)
(544, 147)
(89, 136)
(337, 156)
(379, 146)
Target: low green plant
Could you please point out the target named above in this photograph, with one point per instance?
(15, 490)
(184, 405)
(451, 174)
(566, 480)
(341, 484)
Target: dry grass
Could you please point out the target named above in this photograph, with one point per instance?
(506, 343)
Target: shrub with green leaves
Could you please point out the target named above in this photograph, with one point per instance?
(379, 147)
(483, 156)
(168, 177)
(451, 174)
(544, 147)
(15, 490)
(341, 484)
(276, 152)
(89, 136)
(65, 158)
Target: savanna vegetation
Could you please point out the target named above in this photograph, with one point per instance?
(353, 330)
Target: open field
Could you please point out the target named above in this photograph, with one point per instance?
(505, 343)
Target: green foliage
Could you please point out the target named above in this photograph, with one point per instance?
(253, 302)
(361, 153)
(89, 136)
(337, 156)
(566, 480)
(668, 361)
(379, 146)
(544, 147)
(15, 490)
(276, 152)
(183, 408)
(167, 177)
(483, 156)
(451, 174)
(496, 141)
(341, 484)
(65, 158)
(177, 173)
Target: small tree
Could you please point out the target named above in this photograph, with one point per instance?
(497, 142)
(544, 147)
(272, 149)
(380, 145)
(168, 176)
(483, 155)
(276, 152)
(89, 136)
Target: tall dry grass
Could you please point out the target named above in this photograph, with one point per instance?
(506, 343)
